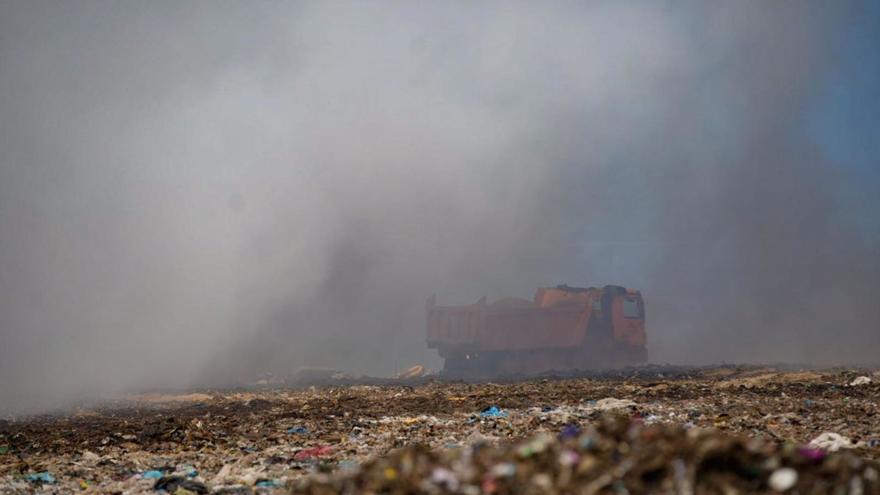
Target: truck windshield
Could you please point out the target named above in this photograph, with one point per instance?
(631, 308)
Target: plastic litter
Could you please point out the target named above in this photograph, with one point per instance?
(269, 483)
(861, 380)
(187, 470)
(570, 431)
(832, 442)
(299, 430)
(152, 474)
(813, 454)
(569, 458)
(783, 479)
(445, 478)
(172, 484)
(503, 470)
(493, 412)
(42, 477)
(313, 452)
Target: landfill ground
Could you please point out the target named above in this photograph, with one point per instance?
(648, 430)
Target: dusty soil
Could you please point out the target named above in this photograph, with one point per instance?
(363, 437)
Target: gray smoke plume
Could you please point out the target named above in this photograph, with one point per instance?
(200, 192)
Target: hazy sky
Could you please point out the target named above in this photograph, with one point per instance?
(198, 192)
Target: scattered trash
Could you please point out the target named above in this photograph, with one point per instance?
(43, 477)
(503, 470)
(172, 484)
(783, 479)
(242, 440)
(570, 431)
(445, 478)
(813, 454)
(313, 452)
(611, 404)
(269, 483)
(232, 490)
(187, 470)
(493, 412)
(569, 458)
(535, 446)
(633, 458)
(832, 442)
(862, 380)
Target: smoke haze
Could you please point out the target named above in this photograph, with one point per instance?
(199, 192)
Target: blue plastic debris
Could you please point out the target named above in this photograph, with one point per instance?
(42, 477)
(547, 409)
(493, 412)
(152, 474)
(299, 430)
(268, 483)
(570, 431)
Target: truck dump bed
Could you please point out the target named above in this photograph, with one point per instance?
(483, 327)
(563, 327)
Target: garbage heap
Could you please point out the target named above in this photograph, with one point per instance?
(615, 455)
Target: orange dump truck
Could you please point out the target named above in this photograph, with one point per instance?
(563, 328)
